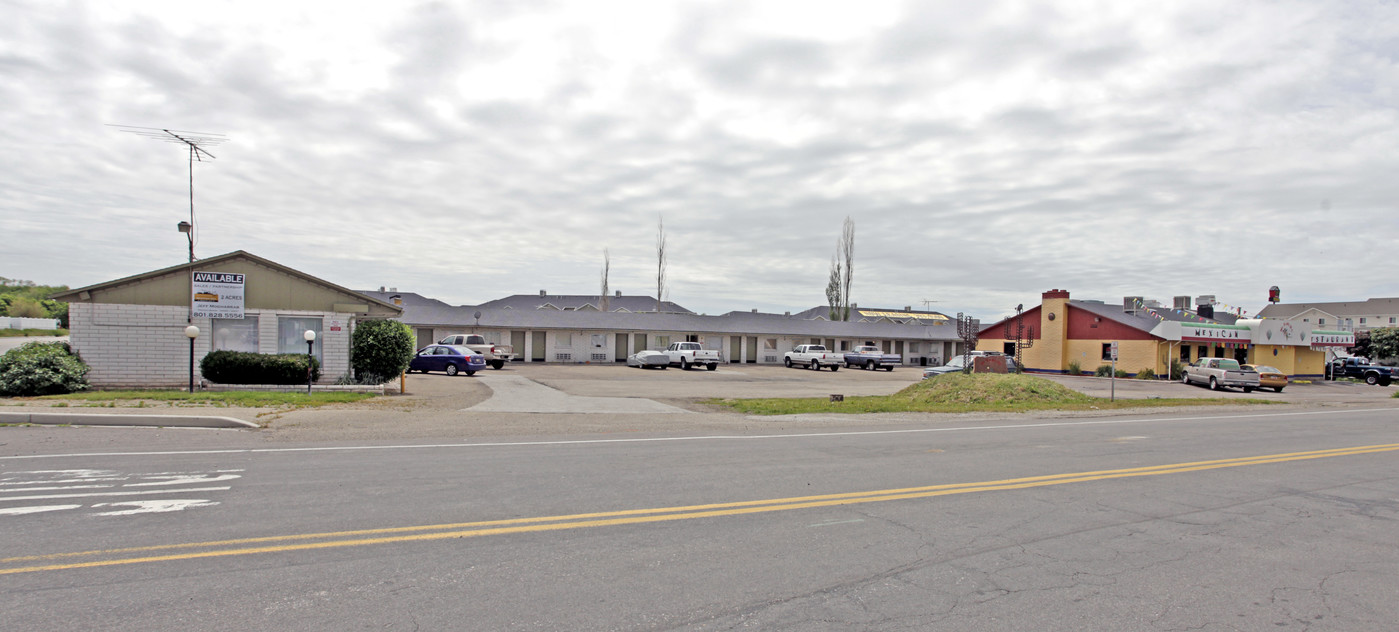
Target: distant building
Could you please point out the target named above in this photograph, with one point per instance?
(1356, 316)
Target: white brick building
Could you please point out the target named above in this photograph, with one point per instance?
(132, 331)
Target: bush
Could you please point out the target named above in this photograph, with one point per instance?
(1177, 369)
(1146, 374)
(241, 367)
(42, 368)
(1121, 374)
(380, 349)
(1104, 370)
(1075, 368)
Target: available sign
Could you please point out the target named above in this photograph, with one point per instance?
(217, 295)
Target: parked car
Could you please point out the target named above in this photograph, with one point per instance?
(496, 354)
(450, 359)
(1220, 373)
(649, 360)
(955, 365)
(814, 357)
(690, 354)
(1358, 368)
(1269, 377)
(873, 358)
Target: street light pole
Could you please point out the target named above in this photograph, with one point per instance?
(310, 337)
(191, 332)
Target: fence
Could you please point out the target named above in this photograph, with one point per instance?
(9, 322)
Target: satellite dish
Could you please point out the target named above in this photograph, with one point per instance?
(477, 315)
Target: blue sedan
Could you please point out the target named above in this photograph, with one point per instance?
(449, 359)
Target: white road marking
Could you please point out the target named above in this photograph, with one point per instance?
(768, 437)
(106, 494)
(49, 489)
(184, 479)
(17, 511)
(153, 506)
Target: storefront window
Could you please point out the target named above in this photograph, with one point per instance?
(291, 331)
(235, 334)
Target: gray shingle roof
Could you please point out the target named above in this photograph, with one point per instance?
(1343, 308)
(425, 312)
(575, 301)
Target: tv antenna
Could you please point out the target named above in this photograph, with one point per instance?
(196, 143)
(928, 303)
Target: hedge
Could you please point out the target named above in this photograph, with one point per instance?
(41, 368)
(241, 367)
(380, 349)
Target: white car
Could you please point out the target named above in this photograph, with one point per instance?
(649, 360)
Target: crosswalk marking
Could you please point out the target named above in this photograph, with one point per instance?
(18, 490)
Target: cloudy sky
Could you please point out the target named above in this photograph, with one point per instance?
(985, 151)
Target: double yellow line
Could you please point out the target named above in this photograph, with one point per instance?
(422, 533)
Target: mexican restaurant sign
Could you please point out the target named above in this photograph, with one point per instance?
(1323, 339)
(1215, 333)
(217, 295)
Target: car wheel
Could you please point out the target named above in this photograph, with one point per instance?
(711, 367)
(787, 361)
(1277, 388)
(1214, 384)
(684, 364)
(1185, 378)
(873, 366)
(1248, 389)
(1372, 379)
(889, 369)
(835, 367)
(815, 366)
(451, 369)
(497, 364)
(664, 367)
(470, 373)
(1384, 382)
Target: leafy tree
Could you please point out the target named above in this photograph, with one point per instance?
(833, 290)
(1384, 343)
(25, 307)
(380, 349)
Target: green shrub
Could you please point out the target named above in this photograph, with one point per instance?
(1104, 370)
(380, 350)
(1146, 374)
(1177, 369)
(241, 367)
(41, 368)
(1121, 374)
(1075, 368)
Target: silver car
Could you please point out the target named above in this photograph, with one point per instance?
(956, 364)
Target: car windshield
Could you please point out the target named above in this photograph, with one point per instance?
(1266, 369)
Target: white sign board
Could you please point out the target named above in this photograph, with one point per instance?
(217, 295)
(1113, 349)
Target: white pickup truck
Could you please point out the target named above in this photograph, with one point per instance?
(1218, 373)
(815, 357)
(688, 354)
(496, 355)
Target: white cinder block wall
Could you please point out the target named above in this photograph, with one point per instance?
(131, 346)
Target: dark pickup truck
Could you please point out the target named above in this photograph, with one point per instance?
(1371, 373)
(867, 357)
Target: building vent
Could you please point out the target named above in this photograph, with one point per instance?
(619, 294)
(1130, 303)
(1205, 300)
(1181, 302)
(1205, 311)
(755, 310)
(543, 293)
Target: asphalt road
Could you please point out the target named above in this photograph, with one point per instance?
(1207, 520)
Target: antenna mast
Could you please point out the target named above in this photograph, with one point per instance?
(195, 143)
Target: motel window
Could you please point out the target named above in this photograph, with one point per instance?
(291, 331)
(1391, 320)
(599, 341)
(912, 347)
(662, 341)
(1107, 350)
(237, 334)
(562, 339)
(1319, 321)
(770, 344)
(692, 338)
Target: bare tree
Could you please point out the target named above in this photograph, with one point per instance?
(660, 262)
(847, 254)
(603, 301)
(833, 289)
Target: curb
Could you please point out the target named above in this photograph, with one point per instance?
(94, 419)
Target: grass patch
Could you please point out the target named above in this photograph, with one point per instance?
(962, 393)
(221, 399)
(32, 333)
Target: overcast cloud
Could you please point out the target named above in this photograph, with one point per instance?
(467, 151)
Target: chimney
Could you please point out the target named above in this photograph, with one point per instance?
(381, 288)
(543, 293)
(755, 310)
(1055, 293)
(786, 313)
(1205, 311)
(908, 308)
(619, 294)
